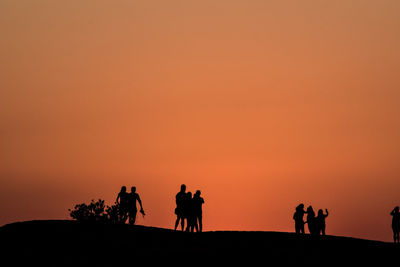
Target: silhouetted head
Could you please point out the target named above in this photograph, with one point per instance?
(123, 189)
(320, 212)
(300, 207)
(396, 209)
(133, 189)
(310, 209)
(189, 194)
(198, 193)
(183, 188)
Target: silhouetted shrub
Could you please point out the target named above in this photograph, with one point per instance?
(112, 213)
(95, 211)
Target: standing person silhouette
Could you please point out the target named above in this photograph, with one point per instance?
(298, 219)
(396, 224)
(188, 212)
(198, 201)
(320, 222)
(122, 202)
(179, 210)
(132, 209)
(311, 220)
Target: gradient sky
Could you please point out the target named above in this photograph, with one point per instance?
(260, 104)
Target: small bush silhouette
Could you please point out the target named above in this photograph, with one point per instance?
(95, 211)
(112, 213)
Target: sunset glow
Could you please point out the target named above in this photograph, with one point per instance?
(261, 105)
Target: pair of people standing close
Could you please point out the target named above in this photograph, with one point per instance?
(127, 205)
(190, 209)
(316, 224)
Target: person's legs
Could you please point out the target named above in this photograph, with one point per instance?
(132, 217)
(200, 218)
(187, 225)
(195, 224)
(310, 227)
(179, 218)
(177, 221)
(191, 224)
(123, 214)
(297, 227)
(182, 223)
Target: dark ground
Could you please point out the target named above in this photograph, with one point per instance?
(71, 243)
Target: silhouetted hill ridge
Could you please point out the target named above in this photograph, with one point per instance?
(63, 242)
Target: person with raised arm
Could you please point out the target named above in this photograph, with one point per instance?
(320, 221)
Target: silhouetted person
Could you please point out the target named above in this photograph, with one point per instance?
(132, 209)
(396, 224)
(198, 201)
(298, 219)
(179, 210)
(189, 213)
(311, 220)
(122, 201)
(320, 221)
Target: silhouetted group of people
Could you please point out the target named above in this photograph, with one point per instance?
(189, 208)
(127, 205)
(396, 224)
(316, 224)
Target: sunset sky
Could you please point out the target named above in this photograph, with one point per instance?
(260, 104)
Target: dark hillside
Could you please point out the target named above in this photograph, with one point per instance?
(75, 243)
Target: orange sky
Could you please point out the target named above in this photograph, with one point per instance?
(260, 104)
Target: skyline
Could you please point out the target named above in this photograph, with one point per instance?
(261, 105)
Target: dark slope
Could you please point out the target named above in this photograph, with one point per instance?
(72, 243)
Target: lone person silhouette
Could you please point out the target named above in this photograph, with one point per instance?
(132, 209)
(320, 221)
(198, 201)
(179, 210)
(396, 224)
(122, 202)
(298, 219)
